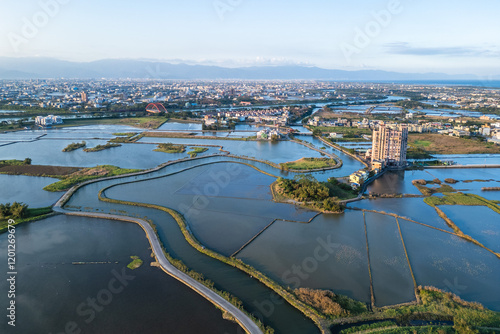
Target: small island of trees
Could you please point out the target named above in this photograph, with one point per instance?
(74, 146)
(170, 148)
(324, 196)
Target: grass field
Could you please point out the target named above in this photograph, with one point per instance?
(136, 263)
(309, 163)
(197, 150)
(462, 199)
(422, 143)
(140, 122)
(442, 144)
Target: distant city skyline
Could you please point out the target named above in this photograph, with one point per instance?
(453, 37)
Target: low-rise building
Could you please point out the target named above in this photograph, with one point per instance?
(358, 177)
(336, 135)
(48, 120)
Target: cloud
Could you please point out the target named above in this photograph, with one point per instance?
(239, 62)
(402, 48)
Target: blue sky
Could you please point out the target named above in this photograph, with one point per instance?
(398, 35)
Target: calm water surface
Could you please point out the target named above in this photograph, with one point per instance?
(50, 288)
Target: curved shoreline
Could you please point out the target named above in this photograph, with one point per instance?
(240, 317)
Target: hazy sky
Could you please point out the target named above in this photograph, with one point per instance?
(407, 35)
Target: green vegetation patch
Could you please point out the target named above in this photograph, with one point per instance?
(309, 163)
(136, 263)
(422, 143)
(127, 137)
(20, 213)
(340, 190)
(197, 150)
(417, 330)
(86, 174)
(101, 147)
(434, 143)
(437, 304)
(348, 132)
(74, 146)
(460, 198)
(429, 191)
(151, 122)
(170, 148)
(366, 327)
(125, 134)
(4, 163)
(318, 195)
(417, 153)
(329, 303)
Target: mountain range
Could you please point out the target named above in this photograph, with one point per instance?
(44, 68)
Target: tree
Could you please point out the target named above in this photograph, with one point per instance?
(4, 210)
(27, 161)
(331, 204)
(19, 210)
(317, 132)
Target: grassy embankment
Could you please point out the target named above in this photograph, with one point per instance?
(126, 137)
(452, 197)
(74, 146)
(197, 150)
(85, 174)
(136, 263)
(28, 216)
(432, 143)
(170, 148)
(308, 163)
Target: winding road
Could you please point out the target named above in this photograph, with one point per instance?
(241, 318)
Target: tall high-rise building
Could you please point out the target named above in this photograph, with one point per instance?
(84, 97)
(389, 145)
